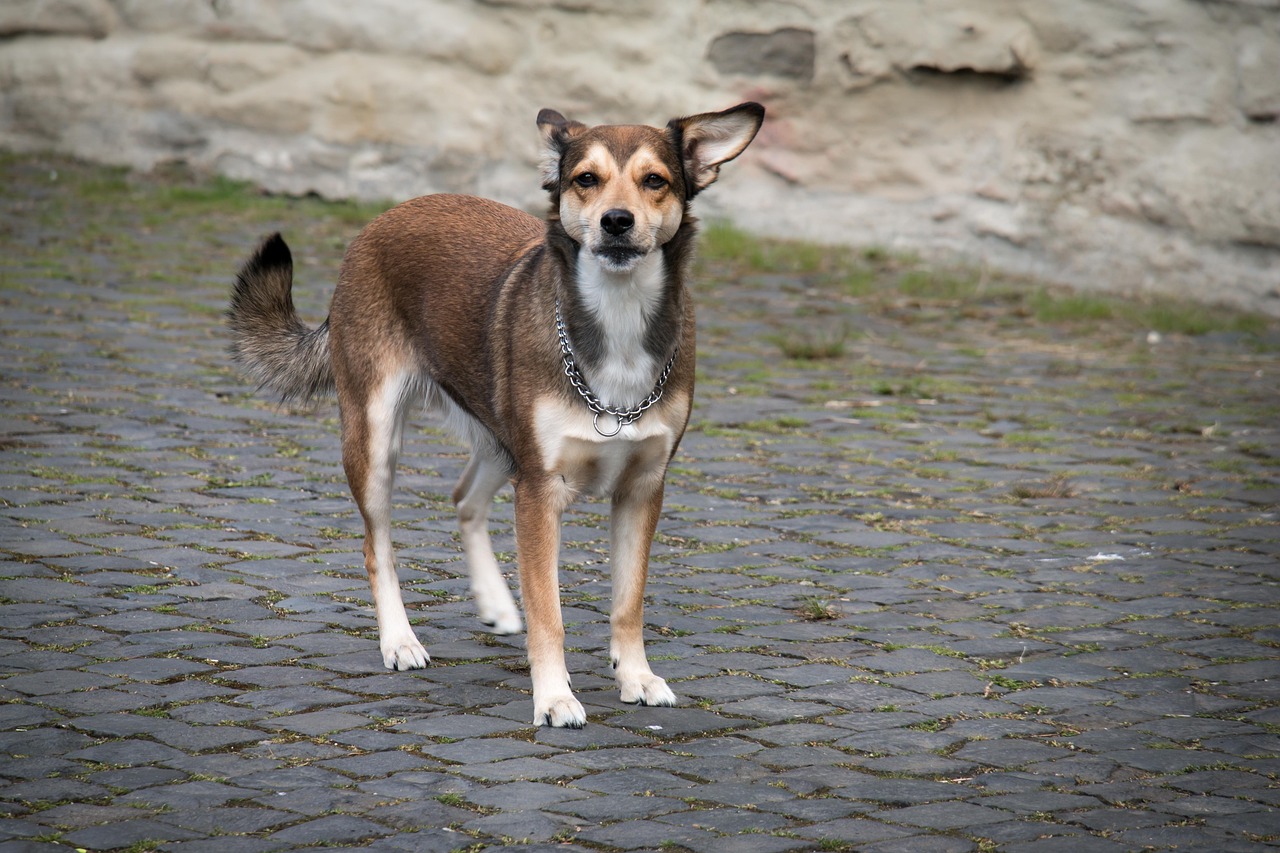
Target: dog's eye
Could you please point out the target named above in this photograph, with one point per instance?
(655, 182)
(586, 179)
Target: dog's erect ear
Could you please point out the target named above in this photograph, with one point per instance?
(557, 131)
(708, 140)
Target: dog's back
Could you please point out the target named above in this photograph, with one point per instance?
(417, 290)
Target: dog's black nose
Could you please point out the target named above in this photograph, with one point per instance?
(617, 221)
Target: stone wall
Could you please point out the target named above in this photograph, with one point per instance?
(1128, 144)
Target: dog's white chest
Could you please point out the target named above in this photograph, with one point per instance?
(623, 304)
(589, 463)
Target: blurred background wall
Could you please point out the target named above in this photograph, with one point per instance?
(1125, 144)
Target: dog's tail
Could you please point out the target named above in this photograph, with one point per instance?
(267, 338)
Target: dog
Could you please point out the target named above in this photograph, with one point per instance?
(561, 349)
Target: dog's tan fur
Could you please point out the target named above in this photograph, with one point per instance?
(452, 298)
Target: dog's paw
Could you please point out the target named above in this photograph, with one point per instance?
(646, 689)
(404, 653)
(496, 607)
(562, 711)
(502, 620)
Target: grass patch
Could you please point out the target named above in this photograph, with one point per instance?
(1188, 318)
(938, 285)
(722, 242)
(110, 182)
(1009, 683)
(216, 481)
(813, 344)
(1058, 486)
(1052, 307)
(219, 191)
(880, 279)
(781, 424)
(814, 608)
(1164, 315)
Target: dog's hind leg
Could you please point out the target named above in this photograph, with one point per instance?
(372, 431)
(473, 496)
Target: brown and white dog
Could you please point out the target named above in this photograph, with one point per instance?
(563, 350)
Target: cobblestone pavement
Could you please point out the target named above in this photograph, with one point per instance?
(981, 581)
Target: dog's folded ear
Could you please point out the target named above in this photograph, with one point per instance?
(708, 140)
(557, 131)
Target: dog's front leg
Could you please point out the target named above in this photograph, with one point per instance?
(539, 507)
(635, 518)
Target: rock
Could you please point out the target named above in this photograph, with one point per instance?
(1185, 79)
(91, 18)
(234, 67)
(1258, 72)
(788, 52)
(148, 16)
(947, 38)
(998, 220)
(1195, 187)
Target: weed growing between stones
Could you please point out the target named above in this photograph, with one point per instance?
(817, 609)
(1056, 487)
(813, 344)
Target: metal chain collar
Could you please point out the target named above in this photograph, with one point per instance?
(623, 416)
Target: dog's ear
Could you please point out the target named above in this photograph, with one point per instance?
(706, 141)
(557, 131)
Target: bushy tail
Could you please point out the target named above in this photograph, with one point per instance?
(267, 338)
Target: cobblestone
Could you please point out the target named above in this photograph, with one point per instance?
(978, 582)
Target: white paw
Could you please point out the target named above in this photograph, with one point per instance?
(502, 620)
(561, 711)
(495, 605)
(646, 689)
(404, 652)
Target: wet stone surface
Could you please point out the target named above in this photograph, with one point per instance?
(976, 582)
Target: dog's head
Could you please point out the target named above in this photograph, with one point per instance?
(621, 191)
